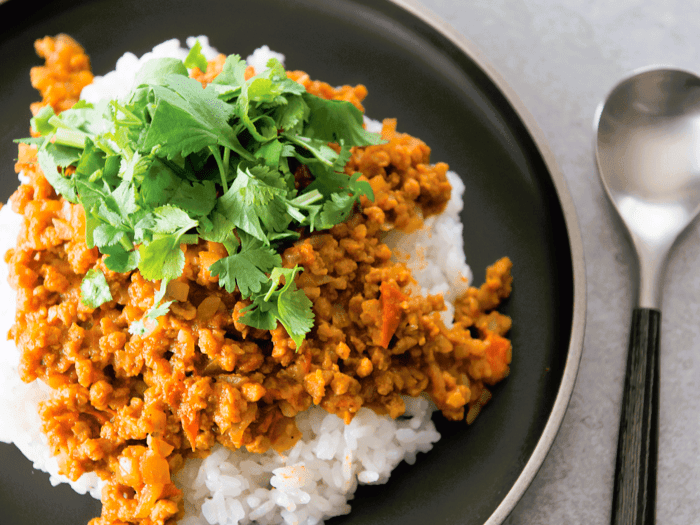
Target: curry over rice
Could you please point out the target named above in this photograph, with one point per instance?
(133, 408)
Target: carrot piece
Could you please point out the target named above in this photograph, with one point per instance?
(391, 298)
(147, 500)
(498, 355)
(190, 424)
(154, 469)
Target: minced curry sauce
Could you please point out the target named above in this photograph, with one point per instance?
(132, 408)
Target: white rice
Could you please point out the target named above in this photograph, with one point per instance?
(318, 476)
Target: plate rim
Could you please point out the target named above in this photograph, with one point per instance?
(571, 222)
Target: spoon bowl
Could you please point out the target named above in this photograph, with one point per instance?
(648, 155)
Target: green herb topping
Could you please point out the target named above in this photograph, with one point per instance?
(94, 289)
(174, 163)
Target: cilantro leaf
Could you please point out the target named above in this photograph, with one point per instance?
(342, 159)
(134, 167)
(254, 206)
(195, 58)
(228, 83)
(335, 210)
(291, 117)
(288, 305)
(263, 90)
(162, 258)
(260, 315)
(31, 141)
(339, 207)
(201, 120)
(155, 71)
(125, 199)
(91, 161)
(246, 269)
(293, 307)
(40, 122)
(336, 121)
(138, 328)
(63, 156)
(107, 234)
(156, 310)
(197, 198)
(270, 153)
(119, 259)
(320, 150)
(159, 309)
(220, 230)
(294, 310)
(158, 185)
(94, 290)
(63, 186)
(169, 219)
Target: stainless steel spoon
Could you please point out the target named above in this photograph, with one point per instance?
(648, 153)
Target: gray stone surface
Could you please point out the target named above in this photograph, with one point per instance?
(562, 57)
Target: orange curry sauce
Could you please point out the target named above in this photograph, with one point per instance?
(133, 408)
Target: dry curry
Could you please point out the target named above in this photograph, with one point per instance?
(134, 407)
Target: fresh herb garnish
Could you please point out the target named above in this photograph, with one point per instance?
(174, 163)
(94, 289)
(155, 311)
(288, 305)
(195, 58)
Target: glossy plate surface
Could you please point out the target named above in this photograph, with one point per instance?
(441, 91)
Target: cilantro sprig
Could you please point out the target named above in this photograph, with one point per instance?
(174, 163)
(94, 289)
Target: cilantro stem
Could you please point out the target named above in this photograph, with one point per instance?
(306, 199)
(189, 238)
(124, 241)
(95, 176)
(273, 288)
(57, 122)
(296, 214)
(130, 120)
(303, 143)
(67, 135)
(70, 137)
(222, 169)
(227, 158)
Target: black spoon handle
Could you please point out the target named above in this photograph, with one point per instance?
(634, 494)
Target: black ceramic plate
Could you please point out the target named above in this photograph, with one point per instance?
(516, 204)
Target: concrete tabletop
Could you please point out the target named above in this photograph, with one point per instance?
(562, 57)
